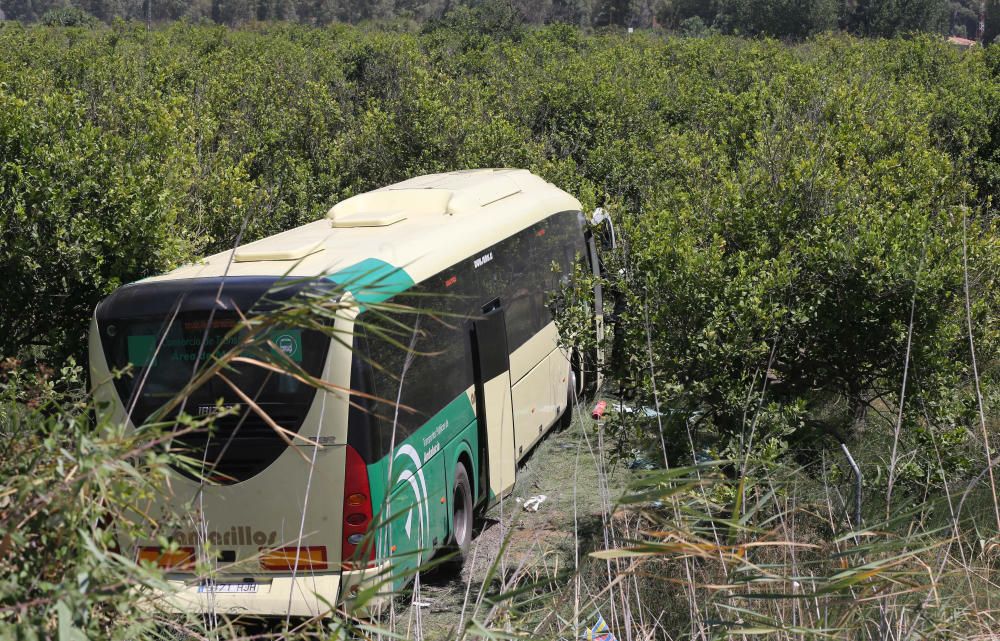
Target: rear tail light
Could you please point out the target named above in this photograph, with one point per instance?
(294, 558)
(179, 559)
(357, 513)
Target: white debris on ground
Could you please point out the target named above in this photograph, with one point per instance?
(532, 504)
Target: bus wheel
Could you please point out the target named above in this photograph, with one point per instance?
(461, 513)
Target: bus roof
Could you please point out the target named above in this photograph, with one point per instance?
(419, 226)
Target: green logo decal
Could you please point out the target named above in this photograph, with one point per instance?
(289, 341)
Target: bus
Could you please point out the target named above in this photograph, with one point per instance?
(451, 371)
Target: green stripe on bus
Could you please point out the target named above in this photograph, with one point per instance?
(373, 280)
(455, 416)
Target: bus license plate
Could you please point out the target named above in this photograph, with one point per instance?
(229, 588)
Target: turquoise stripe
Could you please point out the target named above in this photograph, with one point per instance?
(373, 280)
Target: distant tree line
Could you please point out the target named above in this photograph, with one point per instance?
(777, 18)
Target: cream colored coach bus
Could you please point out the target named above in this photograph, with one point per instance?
(484, 379)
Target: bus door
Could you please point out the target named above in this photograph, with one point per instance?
(494, 409)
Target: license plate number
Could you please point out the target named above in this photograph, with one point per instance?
(229, 588)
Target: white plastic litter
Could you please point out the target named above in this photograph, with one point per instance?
(532, 504)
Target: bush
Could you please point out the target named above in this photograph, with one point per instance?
(68, 17)
(65, 481)
(83, 209)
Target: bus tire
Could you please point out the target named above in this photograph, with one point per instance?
(462, 508)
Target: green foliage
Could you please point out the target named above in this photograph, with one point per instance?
(474, 18)
(781, 220)
(892, 17)
(65, 482)
(784, 207)
(490, 19)
(783, 211)
(763, 545)
(68, 17)
(779, 18)
(89, 200)
(694, 27)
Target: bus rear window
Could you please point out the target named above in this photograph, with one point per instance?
(164, 353)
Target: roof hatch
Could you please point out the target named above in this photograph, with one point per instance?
(369, 219)
(277, 248)
(385, 207)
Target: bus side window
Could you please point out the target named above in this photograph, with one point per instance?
(522, 287)
(568, 252)
(549, 265)
(440, 364)
(449, 370)
(443, 369)
(386, 360)
(363, 433)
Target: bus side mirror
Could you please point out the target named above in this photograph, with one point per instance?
(604, 228)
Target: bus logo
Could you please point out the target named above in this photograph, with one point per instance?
(286, 344)
(236, 535)
(482, 260)
(289, 343)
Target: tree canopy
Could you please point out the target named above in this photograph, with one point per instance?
(777, 18)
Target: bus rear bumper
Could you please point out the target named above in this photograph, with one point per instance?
(313, 595)
(365, 592)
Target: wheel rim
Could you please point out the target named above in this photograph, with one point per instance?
(461, 515)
